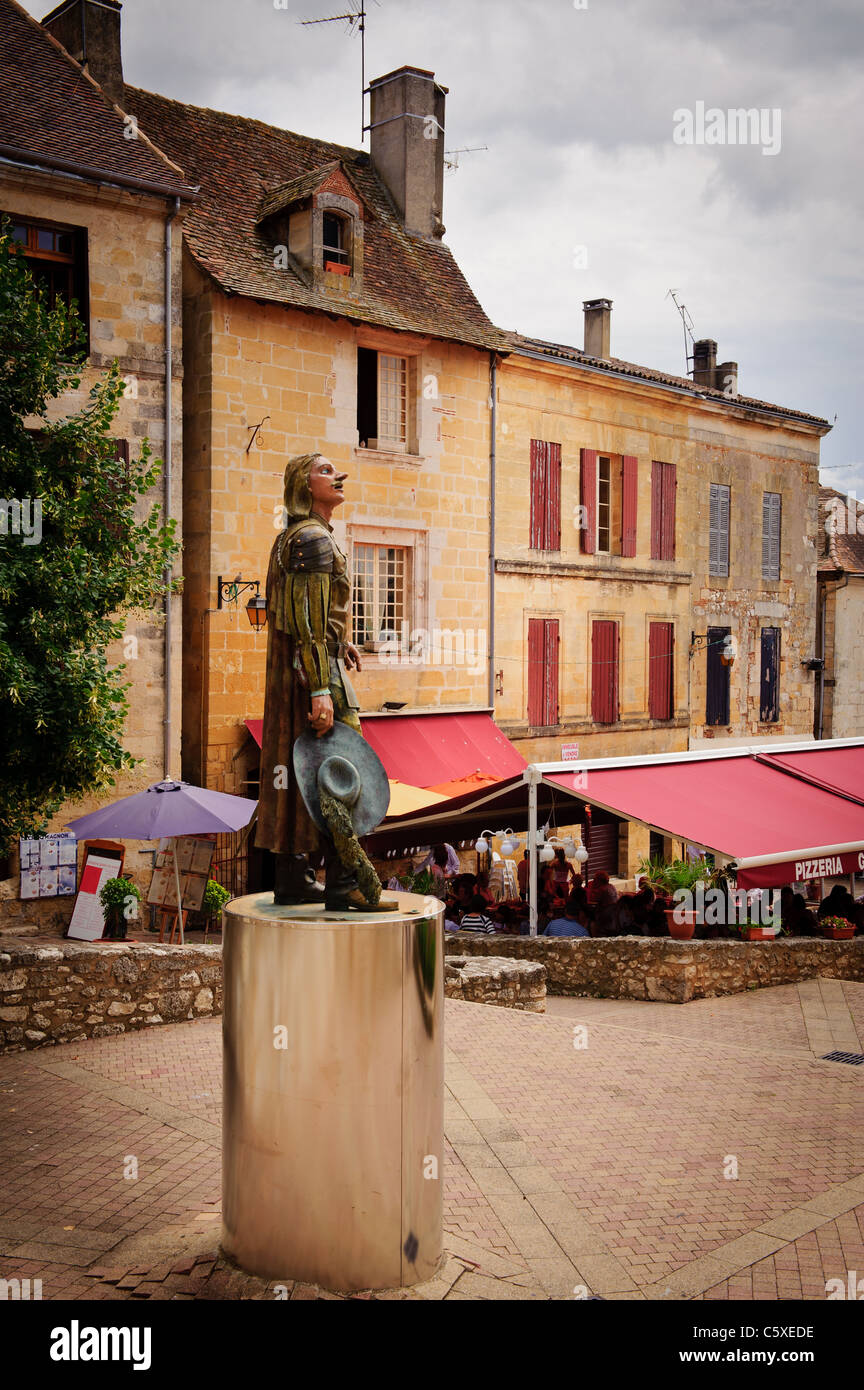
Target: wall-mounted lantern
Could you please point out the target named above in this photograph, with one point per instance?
(229, 591)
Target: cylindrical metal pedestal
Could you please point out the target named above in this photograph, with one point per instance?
(333, 1092)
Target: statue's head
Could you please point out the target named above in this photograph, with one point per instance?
(298, 498)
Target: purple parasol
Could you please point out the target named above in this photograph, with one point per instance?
(164, 810)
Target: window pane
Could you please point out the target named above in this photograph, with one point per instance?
(379, 592)
(392, 398)
(44, 239)
(19, 233)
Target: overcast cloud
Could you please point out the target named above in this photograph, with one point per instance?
(576, 106)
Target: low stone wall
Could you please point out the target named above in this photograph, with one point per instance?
(667, 971)
(515, 984)
(73, 990)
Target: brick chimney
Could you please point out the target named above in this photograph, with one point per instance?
(704, 362)
(89, 30)
(407, 145)
(598, 320)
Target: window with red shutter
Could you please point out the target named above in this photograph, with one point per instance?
(545, 529)
(604, 672)
(542, 672)
(663, 486)
(661, 637)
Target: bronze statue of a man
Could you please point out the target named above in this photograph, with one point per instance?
(307, 684)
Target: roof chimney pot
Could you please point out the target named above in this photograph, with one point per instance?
(407, 145)
(598, 320)
(89, 30)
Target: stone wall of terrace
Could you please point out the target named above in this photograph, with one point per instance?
(669, 972)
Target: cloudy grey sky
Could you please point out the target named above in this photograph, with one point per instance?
(575, 101)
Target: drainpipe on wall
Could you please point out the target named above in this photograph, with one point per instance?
(167, 721)
(493, 430)
(835, 590)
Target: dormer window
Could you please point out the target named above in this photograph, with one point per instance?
(335, 240)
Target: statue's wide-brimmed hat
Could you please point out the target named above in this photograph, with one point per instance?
(343, 763)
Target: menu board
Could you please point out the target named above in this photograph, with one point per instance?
(49, 865)
(88, 917)
(194, 858)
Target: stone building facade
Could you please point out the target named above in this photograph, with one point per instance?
(840, 617)
(98, 216)
(639, 518)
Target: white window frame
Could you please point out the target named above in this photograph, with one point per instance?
(414, 544)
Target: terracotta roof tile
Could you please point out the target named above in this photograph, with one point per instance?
(840, 547)
(520, 343)
(243, 165)
(52, 110)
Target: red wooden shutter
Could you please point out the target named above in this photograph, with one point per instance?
(604, 672)
(542, 672)
(670, 485)
(588, 499)
(545, 530)
(536, 644)
(629, 484)
(550, 683)
(656, 510)
(660, 647)
(553, 497)
(537, 470)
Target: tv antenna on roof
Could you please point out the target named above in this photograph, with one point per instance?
(689, 332)
(356, 21)
(453, 164)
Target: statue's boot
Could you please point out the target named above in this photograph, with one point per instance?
(342, 892)
(295, 882)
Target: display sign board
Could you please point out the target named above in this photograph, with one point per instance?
(569, 752)
(194, 857)
(49, 865)
(88, 917)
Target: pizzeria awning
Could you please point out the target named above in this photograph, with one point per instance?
(760, 811)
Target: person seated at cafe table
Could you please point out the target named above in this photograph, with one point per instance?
(462, 890)
(795, 916)
(475, 919)
(839, 903)
(573, 921)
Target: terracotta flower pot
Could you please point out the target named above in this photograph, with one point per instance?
(838, 933)
(337, 268)
(759, 933)
(681, 930)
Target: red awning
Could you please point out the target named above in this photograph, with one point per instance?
(430, 749)
(744, 808)
(836, 769)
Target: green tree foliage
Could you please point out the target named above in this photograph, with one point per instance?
(103, 552)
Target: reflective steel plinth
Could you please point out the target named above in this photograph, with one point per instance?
(333, 1092)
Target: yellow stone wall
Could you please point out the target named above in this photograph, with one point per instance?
(250, 361)
(126, 234)
(707, 443)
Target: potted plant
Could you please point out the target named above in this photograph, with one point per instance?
(668, 878)
(215, 898)
(117, 896)
(757, 931)
(837, 928)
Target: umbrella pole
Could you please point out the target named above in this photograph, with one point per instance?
(179, 895)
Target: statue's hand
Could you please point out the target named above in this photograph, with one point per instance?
(321, 715)
(352, 657)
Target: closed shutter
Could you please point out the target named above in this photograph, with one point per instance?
(660, 650)
(670, 487)
(664, 483)
(717, 703)
(604, 672)
(656, 510)
(545, 530)
(771, 504)
(542, 672)
(629, 490)
(602, 851)
(588, 500)
(769, 684)
(718, 543)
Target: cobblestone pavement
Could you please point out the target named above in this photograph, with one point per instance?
(590, 1152)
